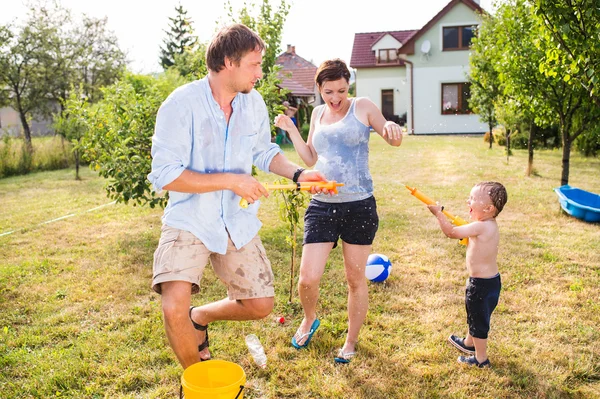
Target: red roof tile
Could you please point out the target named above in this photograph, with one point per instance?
(297, 74)
(363, 56)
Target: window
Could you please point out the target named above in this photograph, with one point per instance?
(455, 98)
(387, 56)
(458, 37)
(387, 104)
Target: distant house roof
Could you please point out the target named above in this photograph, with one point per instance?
(297, 74)
(409, 46)
(364, 56)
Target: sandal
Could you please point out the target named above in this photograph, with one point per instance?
(200, 327)
(301, 336)
(472, 361)
(344, 358)
(459, 343)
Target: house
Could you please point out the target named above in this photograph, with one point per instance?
(10, 124)
(298, 76)
(420, 76)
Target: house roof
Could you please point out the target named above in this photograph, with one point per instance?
(363, 56)
(409, 46)
(297, 74)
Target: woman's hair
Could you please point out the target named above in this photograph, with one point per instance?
(233, 42)
(331, 70)
(497, 194)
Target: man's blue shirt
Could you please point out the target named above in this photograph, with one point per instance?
(191, 132)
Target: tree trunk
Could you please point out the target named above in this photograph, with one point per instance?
(26, 132)
(507, 145)
(491, 135)
(564, 179)
(530, 149)
(76, 153)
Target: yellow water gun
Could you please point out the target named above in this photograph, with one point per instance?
(331, 185)
(454, 219)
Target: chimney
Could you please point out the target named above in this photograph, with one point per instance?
(289, 48)
(294, 50)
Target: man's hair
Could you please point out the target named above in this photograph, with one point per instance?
(497, 194)
(233, 42)
(331, 70)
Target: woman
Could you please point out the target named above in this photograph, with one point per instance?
(338, 143)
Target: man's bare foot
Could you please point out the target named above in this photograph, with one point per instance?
(201, 334)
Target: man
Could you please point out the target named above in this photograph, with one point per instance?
(208, 134)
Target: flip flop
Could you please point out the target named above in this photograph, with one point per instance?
(309, 334)
(344, 358)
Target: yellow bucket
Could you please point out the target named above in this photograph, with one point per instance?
(213, 379)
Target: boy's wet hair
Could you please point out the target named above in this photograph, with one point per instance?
(233, 42)
(497, 194)
(332, 70)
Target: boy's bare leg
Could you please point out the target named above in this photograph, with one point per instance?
(480, 349)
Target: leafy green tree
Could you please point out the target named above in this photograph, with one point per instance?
(549, 97)
(180, 38)
(51, 52)
(72, 123)
(290, 202)
(22, 70)
(268, 23)
(119, 137)
(191, 64)
(486, 88)
(573, 27)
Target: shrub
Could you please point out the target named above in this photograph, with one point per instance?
(49, 153)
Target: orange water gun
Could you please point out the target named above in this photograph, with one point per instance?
(454, 219)
(331, 185)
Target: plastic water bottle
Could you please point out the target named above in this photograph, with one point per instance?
(256, 350)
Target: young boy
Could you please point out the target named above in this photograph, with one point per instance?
(483, 288)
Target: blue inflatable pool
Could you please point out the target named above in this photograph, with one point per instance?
(579, 203)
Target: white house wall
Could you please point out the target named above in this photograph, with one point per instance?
(428, 117)
(371, 81)
(437, 67)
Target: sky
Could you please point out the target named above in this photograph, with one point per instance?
(320, 29)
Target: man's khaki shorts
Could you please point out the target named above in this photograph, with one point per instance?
(181, 256)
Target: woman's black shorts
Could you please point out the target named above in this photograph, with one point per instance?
(354, 222)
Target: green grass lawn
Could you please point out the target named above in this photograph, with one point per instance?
(78, 318)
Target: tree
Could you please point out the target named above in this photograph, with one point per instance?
(573, 27)
(119, 137)
(180, 38)
(549, 97)
(269, 26)
(486, 89)
(50, 53)
(191, 64)
(72, 123)
(290, 203)
(23, 58)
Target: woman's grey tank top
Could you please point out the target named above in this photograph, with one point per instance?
(343, 156)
